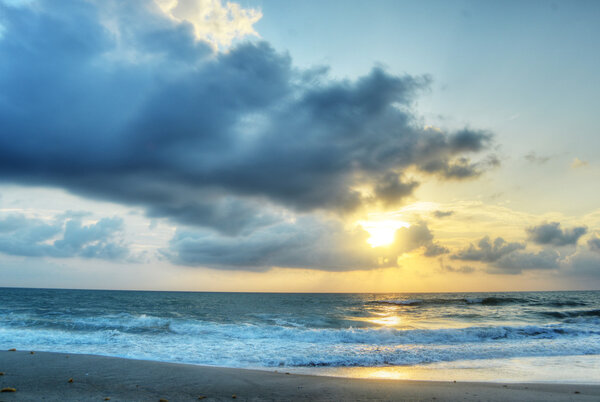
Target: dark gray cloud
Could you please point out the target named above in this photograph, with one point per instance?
(551, 234)
(584, 264)
(488, 251)
(307, 242)
(594, 244)
(517, 262)
(391, 189)
(504, 257)
(63, 237)
(460, 168)
(442, 214)
(143, 114)
(435, 249)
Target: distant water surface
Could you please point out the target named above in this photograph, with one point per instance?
(428, 336)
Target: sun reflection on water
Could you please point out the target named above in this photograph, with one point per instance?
(388, 321)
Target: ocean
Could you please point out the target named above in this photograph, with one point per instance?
(526, 336)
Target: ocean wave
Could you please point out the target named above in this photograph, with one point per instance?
(237, 351)
(149, 326)
(486, 301)
(571, 314)
(409, 302)
(560, 303)
(124, 323)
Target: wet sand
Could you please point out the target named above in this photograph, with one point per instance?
(44, 376)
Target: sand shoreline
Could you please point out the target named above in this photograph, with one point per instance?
(45, 376)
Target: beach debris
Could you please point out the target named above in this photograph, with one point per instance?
(12, 350)
(8, 389)
(233, 396)
(70, 380)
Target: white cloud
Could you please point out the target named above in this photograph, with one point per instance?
(214, 22)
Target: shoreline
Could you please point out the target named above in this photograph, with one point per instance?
(45, 376)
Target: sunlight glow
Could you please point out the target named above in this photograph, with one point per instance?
(215, 22)
(387, 321)
(382, 231)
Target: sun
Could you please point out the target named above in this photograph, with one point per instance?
(382, 231)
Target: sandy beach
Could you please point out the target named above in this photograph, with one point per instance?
(46, 376)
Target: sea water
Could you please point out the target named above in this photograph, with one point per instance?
(529, 336)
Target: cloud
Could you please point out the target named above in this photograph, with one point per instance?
(504, 257)
(307, 242)
(442, 214)
(583, 263)
(551, 234)
(578, 163)
(63, 237)
(415, 236)
(594, 244)
(487, 251)
(465, 269)
(391, 189)
(435, 249)
(118, 101)
(217, 23)
(437, 147)
(537, 159)
(515, 263)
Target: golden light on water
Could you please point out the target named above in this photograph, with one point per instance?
(382, 231)
(388, 321)
(389, 317)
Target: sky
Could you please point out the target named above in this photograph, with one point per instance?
(314, 146)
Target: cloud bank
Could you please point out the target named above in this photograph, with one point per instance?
(504, 257)
(308, 242)
(131, 102)
(118, 101)
(488, 251)
(64, 236)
